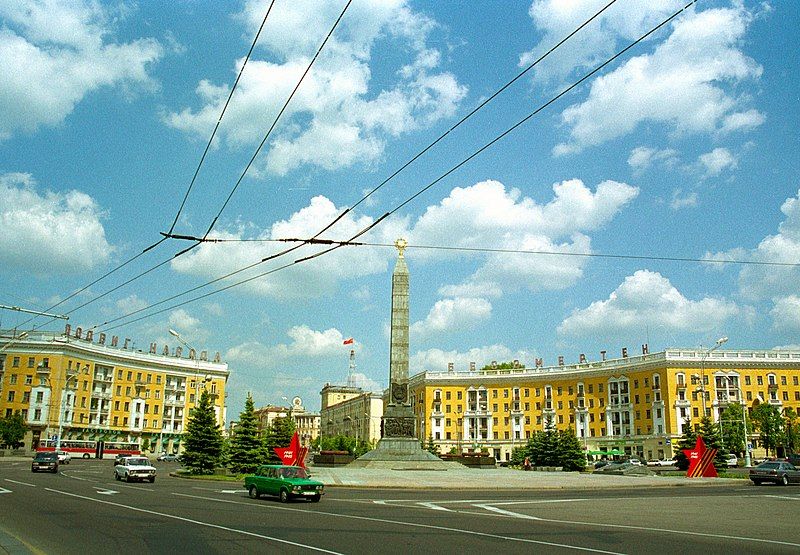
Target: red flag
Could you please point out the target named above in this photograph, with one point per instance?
(348, 341)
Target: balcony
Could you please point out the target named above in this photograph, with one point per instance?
(772, 387)
(101, 394)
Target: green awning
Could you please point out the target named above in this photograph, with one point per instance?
(610, 452)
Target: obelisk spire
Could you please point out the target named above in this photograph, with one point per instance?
(398, 354)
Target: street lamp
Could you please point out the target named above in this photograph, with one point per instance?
(13, 340)
(703, 356)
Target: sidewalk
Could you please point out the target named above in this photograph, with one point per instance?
(499, 478)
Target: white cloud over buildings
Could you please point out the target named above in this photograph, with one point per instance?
(54, 54)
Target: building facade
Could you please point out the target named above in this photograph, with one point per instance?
(306, 423)
(351, 411)
(634, 404)
(89, 390)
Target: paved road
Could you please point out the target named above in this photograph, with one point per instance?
(82, 509)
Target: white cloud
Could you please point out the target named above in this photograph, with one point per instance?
(642, 157)
(717, 160)
(771, 282)
(305, 343)
(453, 315)
(182, 320)
(786, 313)
(336, 119)
(437, 360)
(557, 18)
(487, 215)
(130, 303)
(647, 299)
(742, 121)
(54, 53)
(681, 200)
(211, 260)
(681, 84)
(35, 227)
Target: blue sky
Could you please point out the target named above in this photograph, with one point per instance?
(686, 147)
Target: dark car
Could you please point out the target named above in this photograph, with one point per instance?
(120, 458)
(46, 461)
(778, 472)
(794, 459)
(601, 463)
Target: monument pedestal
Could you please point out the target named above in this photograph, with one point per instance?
(401, 453)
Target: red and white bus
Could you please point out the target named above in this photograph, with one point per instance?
(87, 449)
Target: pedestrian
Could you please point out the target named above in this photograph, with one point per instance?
(527, 464)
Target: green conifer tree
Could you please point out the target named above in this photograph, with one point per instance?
(246, 449)
(279, 435)
(571, 455)
(688, 441)
(709, 431)
(203, 443)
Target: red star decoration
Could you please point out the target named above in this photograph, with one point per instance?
(701, 460)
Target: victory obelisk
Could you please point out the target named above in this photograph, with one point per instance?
(399, 446)
(398, 419)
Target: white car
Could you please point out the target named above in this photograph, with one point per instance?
(135, 468)
(634, 461)
(731, 460)
(63, 457)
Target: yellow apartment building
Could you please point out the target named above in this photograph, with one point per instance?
(635, 404)
(93, 389)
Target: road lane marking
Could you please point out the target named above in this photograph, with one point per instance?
(232, 491)
(193, 521)
(20, 483)
(106, 491)
(3, 490)
(507, 513)
(643, 528)
(409, 524)
(783, 497)
(435, 507)
(533, 502)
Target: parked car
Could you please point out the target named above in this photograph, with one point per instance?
(135, 468)
(634, 461)
(167, 457)
(661, 462)
(778, 472)
(45, 461)
(63, 457)
(286, 482)
(119, 458)
(731, 460)
(601, 463)
(794, 459)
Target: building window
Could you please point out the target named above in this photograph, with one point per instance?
(10, 397)
(458, 395)
(31, 362)
(783, 380)
(26, 396)
(447, 395)
(15, 362)
(12, 380)
(127, 406)
(760, 380)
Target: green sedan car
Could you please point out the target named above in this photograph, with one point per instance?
(286, 482)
